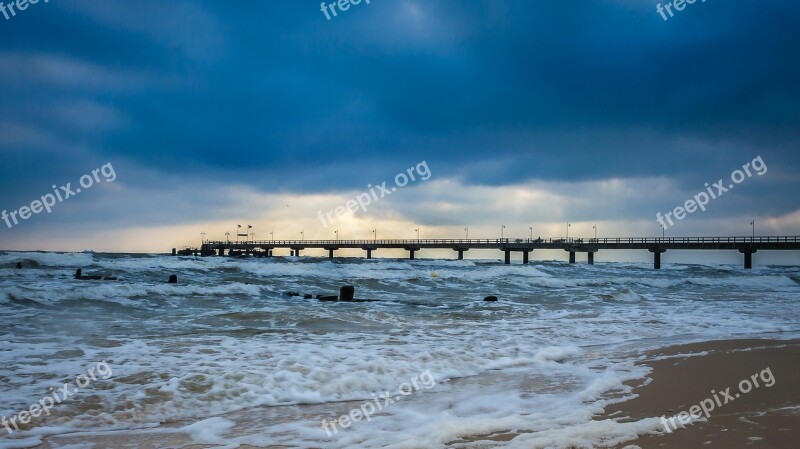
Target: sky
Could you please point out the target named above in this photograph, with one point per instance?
(528, 114)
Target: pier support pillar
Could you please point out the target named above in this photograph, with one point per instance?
(330, 254)
(748, 257)
(460, 255)
(508, 257)
(525, 257)
(174, 251)
(591, 258)
(369, 254)
(572, 257)
(221, 252)
(411, 254)
(657, 257)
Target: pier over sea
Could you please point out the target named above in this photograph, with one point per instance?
(745, 245)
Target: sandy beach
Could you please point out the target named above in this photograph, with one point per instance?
(766, 417)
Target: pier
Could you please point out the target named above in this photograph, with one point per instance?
(747, 246)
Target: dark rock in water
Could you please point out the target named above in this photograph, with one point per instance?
(307, 296)
(346, 292)
(79, 275)
(173, 279)
(490, 299)
(19, 266)
(292, 294)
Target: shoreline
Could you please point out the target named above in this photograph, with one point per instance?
(718, 379)
(682, 376)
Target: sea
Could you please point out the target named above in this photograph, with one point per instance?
(226, 358)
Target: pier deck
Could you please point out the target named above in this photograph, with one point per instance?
(745, 245)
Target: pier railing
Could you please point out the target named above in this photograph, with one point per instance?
(369, 242)
(747, 245)
(753, 239)
(555, 240)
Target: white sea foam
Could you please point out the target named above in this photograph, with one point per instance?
(49, 259)
(209, 431)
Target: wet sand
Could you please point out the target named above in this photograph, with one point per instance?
(765, 417)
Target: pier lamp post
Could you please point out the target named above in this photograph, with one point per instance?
(417, 233)
(203, 237)
(663, 232)
(502, 229)
(531, 228)
(466, 233)
(228, 237)
(272, 235)
(302, 235)
(568, 226)
(595, 231)
(337, 234)
(753, 224)
(375, 234)
(238, 231)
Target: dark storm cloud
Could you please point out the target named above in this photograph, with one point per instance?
(274, 95)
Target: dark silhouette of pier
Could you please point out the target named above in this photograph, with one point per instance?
(745, 245)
